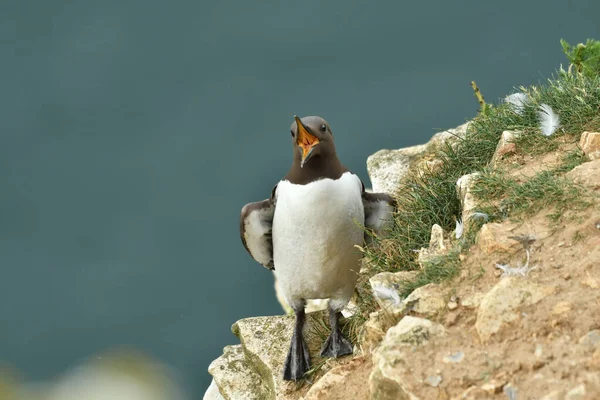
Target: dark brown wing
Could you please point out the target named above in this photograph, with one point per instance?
(256, 224)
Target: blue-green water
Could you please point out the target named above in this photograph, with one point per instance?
(132, 133)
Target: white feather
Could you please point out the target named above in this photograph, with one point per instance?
(549, 120)
(516, 271)
(459, 229)
(517, 101)
(386, 293)
(513, 271)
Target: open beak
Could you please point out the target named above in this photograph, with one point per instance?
(306, 141)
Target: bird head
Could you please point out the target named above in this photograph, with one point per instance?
(311, 137)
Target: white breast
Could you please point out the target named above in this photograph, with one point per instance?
(315, 229)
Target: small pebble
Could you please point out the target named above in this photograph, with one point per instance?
(454, 358)
(510, 391)
(433, 380)
(562, 307)
(578, 392)
(592, 338)
(452, 305)
(590, 282)
(493, 386)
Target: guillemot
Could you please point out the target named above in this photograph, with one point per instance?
(307, 232)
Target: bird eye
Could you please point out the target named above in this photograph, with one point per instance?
(292, 132)
(323, 128)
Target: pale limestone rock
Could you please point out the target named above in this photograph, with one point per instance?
(496, 237)
(374, 329)
(500, 306)
(450, 136)
(213, 393)
(554, 395)
(590, 282)
(472, 301)
(587, 174)
(436, 240)
(266, 343)
(437, 246)
(505, 146)
(387, 168)
(427, 300)
(385, 286)
(561, 308)
(392, 377)
(332, 385)
(384, 388)
(590, 144)
(464, 187)
(493, 386)
(235, 378)
(410, 331)
(430, 165)
(577, 393)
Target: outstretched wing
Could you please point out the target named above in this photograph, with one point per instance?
(256, 224)
(379, 212)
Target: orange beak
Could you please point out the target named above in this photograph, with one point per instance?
(306, 140)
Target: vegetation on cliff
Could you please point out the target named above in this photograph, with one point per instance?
(428, 196)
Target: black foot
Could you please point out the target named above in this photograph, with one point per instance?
(336, 344)
(297, 362)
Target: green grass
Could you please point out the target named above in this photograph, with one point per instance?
(546, 190)
(429, 197)
(585, 57)
(571, 160)
(435, 270)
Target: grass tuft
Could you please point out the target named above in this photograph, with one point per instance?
(546, 190)
(571, 160)
(435, 270)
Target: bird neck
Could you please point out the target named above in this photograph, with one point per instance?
(318, 167)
